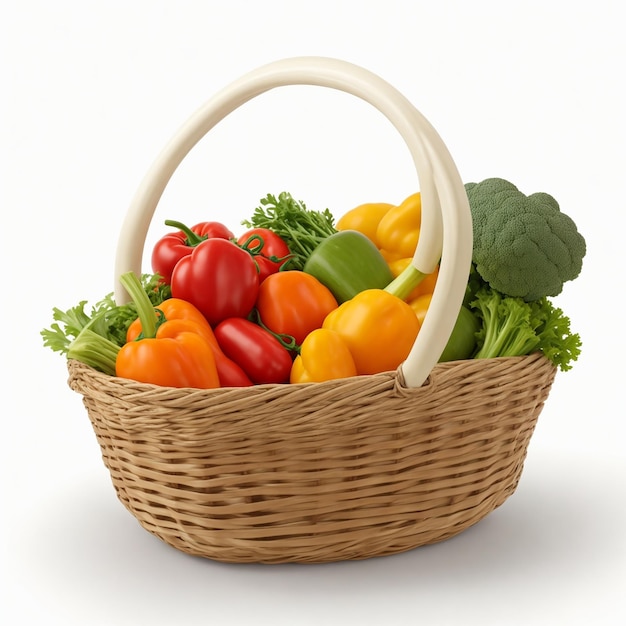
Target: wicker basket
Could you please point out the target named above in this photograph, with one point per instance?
(347, 469)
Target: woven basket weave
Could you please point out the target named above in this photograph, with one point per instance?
(340, 470)
(346, 469)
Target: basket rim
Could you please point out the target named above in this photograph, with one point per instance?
(74, 365)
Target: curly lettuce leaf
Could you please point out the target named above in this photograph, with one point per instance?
(105, 318)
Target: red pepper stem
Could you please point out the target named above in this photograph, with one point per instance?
(145, 310)
(193, 239)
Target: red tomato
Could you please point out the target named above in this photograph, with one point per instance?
(269, 250)
(219, 278)
(259, 354)
(294, 303)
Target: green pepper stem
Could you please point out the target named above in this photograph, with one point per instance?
(94, 350)
(255, 244)
(145, 310)
(403, 284)
(286, 341)
(193, 239)
(255, 249)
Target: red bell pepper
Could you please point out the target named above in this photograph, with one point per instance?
(172, 247)
(219, 278)
(257, 351)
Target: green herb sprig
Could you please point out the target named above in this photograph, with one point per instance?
(302, 229)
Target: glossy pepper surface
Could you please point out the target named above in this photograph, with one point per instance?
(365, 218)
(219, 278)
(462, 341)
(324, 355)
(175, 310)
(398, 230)
(378, 328)
(257, 351)
(294, 303)
(347, 262)
(173, 246)
(170, 354)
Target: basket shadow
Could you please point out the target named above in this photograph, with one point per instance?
(538, 532)
(540, 528)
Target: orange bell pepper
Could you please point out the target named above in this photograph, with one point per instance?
(176, 309)
(324, 355)
(189, 316)
(378, 328)
(293, 303)
(168, 353)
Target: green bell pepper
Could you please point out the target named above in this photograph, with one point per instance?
(462, 342)
(347, 262)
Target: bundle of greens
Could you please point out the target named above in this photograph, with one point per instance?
(95, 337)
(300, 228)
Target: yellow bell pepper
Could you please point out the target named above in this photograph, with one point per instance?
(399, 229)
(378, 328)
(420, 305)
(323, 356)
(365, 219)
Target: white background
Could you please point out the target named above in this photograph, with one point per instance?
(529, 91)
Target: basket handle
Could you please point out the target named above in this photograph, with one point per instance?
(446, 220)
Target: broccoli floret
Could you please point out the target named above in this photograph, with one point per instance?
(510, 326)
(524, 246)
